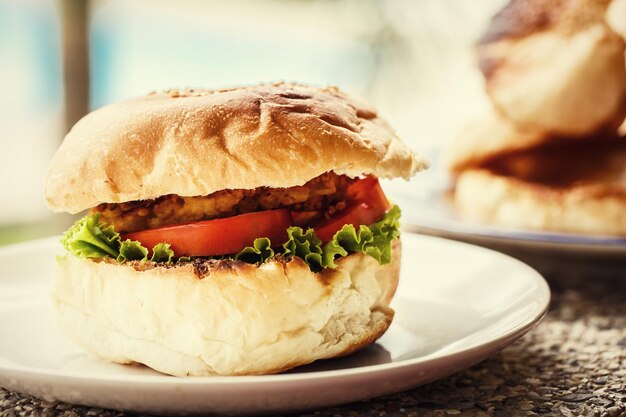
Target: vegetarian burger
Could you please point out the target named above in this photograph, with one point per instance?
(228, 232)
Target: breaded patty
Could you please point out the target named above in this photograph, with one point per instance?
(321, 195)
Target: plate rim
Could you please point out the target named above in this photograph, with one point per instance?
(488, 235)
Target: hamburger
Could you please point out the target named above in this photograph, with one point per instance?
(228, 232)
(548, 153)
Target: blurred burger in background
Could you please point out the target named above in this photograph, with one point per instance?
(549, 154)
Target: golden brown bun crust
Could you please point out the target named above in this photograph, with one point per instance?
(492, 137)
(520, 18)
(555, 66)
(197, 142)
(239, 319)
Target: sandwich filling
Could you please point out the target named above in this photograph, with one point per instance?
(328, 217)
(566, 164)
(321, 197)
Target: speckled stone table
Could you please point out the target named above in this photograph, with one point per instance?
(573, 364)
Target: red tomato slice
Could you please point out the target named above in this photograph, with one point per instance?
(359, 190)
(369, 206)
(304, 218)
(369, 192)
(219, 236)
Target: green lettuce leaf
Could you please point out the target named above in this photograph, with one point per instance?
(373, 240)
(131, 250)
(383, 233)
(346, 240)
(183, 259)
(304, 245)
(162, 253)
(90, 238)
(259, 252)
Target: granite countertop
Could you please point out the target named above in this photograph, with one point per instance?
(573, 364)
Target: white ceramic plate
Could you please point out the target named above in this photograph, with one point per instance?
(455, 305)
(427, 209)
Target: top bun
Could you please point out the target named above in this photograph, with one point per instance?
(555, 66)
(554, 71)
(196, 142)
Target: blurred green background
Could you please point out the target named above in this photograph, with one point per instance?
(413, 59)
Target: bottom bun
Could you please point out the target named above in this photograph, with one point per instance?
(588, 208)
(224, 317)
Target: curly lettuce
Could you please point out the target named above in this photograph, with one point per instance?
(260, 251)
(373, 240)
(91, 238)
(304, 245)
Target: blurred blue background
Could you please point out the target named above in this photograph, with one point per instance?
(413, 59)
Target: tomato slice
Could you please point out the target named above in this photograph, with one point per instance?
(367, 205)
(304, 218)
(219, 236)
(369, 192)
(360, 189)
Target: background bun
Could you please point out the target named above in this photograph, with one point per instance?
(232, 319)
(547, 153)
(555, 66)
(595, 208)
(553, 72)
(492, 136)
(197, 142)
(615, 17)
(488, 137)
